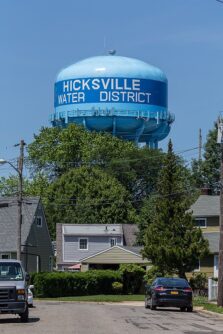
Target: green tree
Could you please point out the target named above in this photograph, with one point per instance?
(206, 173)
(88, 195)
(212, 160)
(55, 151)
(171, 241)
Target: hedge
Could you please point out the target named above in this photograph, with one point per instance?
(63, 284)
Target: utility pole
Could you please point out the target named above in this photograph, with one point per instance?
(200, 146)
(220, 256)
(19, 170)
(20, 197)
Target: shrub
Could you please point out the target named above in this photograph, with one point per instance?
(132, 275)
(198, 281)
(64, 284)
(117, 287)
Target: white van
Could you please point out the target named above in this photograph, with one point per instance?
(14, 289)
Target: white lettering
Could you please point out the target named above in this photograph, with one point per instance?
(103, 96)
(148, 97)
(96, 83)
(85, 84)
(131, 96)
(136, 84)
(81, 97)
(105, 83)
(117, 84)
(76, 82)
(115, 96)
(126, 85)
(65, 86)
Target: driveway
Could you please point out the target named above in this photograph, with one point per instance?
(104, 318)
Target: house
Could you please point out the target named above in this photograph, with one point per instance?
(36, 247)
(96, 246)
(206, 213)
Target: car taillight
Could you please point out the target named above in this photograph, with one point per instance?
(159, 288)
(187, 290)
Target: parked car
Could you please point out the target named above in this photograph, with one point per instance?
(169, 292)
(30, 298)
(14, 289)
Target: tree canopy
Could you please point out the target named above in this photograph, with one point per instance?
(171, 241)
(88, 195)
(206, 173)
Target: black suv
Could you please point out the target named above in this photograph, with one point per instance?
(169, 292)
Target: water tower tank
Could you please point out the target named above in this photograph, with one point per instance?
(123, 96)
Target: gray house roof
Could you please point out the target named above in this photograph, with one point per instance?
(213, 239)
(9, 218)
(206, 206)
(92, 229)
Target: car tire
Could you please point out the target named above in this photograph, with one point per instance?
(25, 315)
(146, 303)
(190, 309)
(183, 309)
(152, 306)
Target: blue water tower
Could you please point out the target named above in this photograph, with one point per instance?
(123, 96)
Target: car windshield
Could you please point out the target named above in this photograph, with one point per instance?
(173, 282)
(10, 271)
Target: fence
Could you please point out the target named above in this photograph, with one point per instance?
(212, 289)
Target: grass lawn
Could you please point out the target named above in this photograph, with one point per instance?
(100, 298)
(203, 301)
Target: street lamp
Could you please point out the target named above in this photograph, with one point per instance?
(18, 170)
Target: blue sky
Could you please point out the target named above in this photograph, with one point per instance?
(38, 38)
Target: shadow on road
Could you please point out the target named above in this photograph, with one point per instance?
(17, 320)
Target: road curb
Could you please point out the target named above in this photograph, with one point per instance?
(200, 309)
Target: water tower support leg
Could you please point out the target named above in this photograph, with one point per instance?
(139, 132)
(114, 126)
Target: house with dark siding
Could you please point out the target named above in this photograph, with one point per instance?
(36, 246)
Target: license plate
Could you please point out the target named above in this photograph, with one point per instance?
(174, 292)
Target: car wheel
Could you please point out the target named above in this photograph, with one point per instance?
(25, 315)
(190, 309)
(146, 303)
(183, 309)
(152, 306)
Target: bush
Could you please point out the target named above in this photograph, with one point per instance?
(152, 274)
(117, 287)
(62, 284)
(198, 281)
(132, 276)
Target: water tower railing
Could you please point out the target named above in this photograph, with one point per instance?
(157, 115)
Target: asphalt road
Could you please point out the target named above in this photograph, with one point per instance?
(100, 318)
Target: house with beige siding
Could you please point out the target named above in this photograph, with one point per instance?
(96, 246)
(36, 246)
(206, 213)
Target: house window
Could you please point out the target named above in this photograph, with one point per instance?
(113, 242)
(39, 221)
(83, 243)
(5, 256)
(201, 222)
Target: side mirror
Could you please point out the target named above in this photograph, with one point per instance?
(27, 277)
(31, 287)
